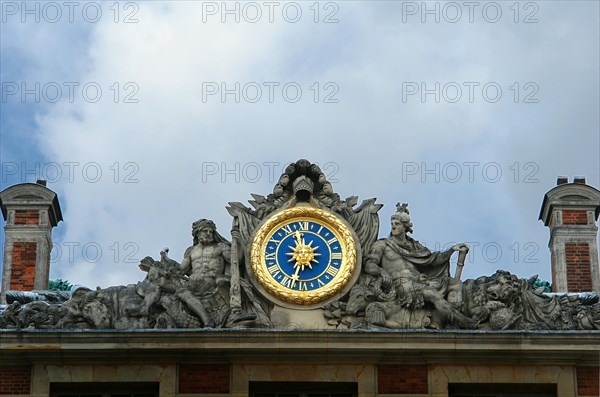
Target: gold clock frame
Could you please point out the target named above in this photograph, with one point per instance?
(340, 229)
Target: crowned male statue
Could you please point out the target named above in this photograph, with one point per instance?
(418, 275)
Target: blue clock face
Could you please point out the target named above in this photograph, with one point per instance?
(303, 255)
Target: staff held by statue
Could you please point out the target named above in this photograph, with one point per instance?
(462, 255)
(234, 294)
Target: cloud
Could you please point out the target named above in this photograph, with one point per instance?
(159, 150)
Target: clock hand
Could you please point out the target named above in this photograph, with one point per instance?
(298, 238)
(295, 277)
(303, 254)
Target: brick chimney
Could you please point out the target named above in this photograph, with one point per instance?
(30, 210)
(571, 210)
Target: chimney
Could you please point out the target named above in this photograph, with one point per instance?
(571, 210)
(30, 210)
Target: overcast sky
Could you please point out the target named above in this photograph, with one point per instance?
(145, 116)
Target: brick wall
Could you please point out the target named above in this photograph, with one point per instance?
(574, 217)
(588, 381)
(204, 379)
(402, 379)
(27, 217)
(15, 379)
(23, 266)
(579, 270)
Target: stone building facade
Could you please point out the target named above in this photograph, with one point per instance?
(267, 346)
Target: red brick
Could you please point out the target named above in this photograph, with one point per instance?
(579, 272)
(588, 381)
(27, 217)
(574, 217)
(402, 379)
(204, 378)
(15, 379)
(23, 266)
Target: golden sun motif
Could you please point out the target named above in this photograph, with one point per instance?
(304, 254)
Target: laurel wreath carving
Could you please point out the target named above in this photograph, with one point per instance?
(335, 224)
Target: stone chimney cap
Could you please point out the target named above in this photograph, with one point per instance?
(579, 179)
(576, 194)
(41, 182)
(28, 194)
(561, 180)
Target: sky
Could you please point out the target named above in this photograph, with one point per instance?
(145, 116)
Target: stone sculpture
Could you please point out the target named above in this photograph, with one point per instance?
(404, 285)
(400, 284)
(415, 275)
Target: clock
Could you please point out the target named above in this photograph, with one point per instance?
(304, 255)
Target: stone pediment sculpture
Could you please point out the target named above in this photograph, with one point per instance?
(302, 252)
